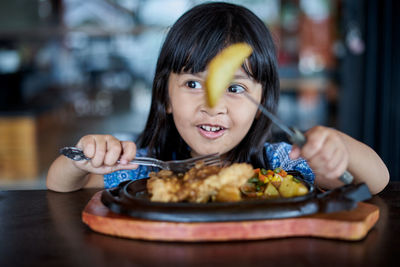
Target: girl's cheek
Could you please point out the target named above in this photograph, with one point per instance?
(244, 110)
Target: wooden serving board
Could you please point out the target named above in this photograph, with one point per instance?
(346, 225)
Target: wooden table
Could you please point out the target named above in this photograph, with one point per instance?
(44, 228)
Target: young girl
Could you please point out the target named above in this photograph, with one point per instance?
(181, 125)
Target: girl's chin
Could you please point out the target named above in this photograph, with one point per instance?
(205, 151)
(205, 146)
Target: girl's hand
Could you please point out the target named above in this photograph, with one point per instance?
(104, 152)
(326, 153)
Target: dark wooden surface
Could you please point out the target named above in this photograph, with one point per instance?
(44, 228)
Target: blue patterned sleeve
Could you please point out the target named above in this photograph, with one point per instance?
(278, 155)
(115, 178)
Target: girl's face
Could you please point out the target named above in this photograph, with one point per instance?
(218, 129)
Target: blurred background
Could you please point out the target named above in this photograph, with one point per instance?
(70, 68)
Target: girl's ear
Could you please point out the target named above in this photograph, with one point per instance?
(169, 108)
(258, 114)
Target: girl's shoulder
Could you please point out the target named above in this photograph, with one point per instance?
(278, 156)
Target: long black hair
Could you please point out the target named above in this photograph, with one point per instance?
(195, 38)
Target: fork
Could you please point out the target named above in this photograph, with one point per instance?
(177, 166)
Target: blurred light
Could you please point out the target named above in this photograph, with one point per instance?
(131, 5)
(140, 52)
(317, 10)
(311, 63)
(354, 40)
(9, 61)
(266, 10)
(96, 13)
(141, 100)
(161, 12)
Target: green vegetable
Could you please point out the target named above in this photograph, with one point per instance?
(253, 180)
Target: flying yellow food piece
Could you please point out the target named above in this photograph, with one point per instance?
(222, 68)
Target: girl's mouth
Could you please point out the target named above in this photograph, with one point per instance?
(211, 131)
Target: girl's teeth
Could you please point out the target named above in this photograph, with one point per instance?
(210, 128)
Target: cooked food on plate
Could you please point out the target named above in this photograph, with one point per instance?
(200, 184)
(273, 184)
(236, 182)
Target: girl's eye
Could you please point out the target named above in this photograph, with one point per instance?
(193, 84)
(236, 89)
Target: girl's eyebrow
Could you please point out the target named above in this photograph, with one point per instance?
(198, 74)
(202, 75)
(241, 76)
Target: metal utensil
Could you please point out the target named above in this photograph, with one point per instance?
(295, 136)
(178, 166)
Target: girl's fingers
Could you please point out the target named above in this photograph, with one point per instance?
(339, 164)
(125, 167)
(329, 156)
(295, 152)
(104, 152)
(114, 150)
(326, 168)
(325, 155)
(88, 145)
(316, 138)
(100, 152)
(128, 151)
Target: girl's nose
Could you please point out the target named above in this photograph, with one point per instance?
(220, 108)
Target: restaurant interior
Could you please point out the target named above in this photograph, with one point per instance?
(70, 68)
